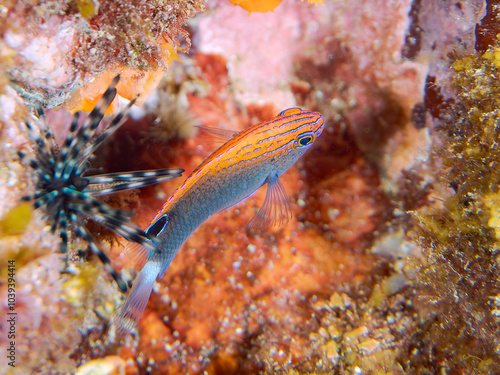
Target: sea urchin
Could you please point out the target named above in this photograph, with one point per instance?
(67, 195)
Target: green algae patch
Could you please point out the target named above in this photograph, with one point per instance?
(459, 280)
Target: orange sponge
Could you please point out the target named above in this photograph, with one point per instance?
(132, 83)
(263, 6)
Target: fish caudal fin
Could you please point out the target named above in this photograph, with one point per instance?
(129, 314)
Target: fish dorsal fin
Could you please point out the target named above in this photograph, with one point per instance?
(215, 137)
(275, 211)
(290, 111)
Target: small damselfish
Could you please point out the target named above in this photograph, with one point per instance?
(248, 160)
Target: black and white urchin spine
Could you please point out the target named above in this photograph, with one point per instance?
(67, 195)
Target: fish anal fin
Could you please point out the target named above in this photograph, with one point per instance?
(275, 211)
(215, 137)
(138, 253)
(290, 111)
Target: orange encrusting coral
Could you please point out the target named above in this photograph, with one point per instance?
(263, 6)
(132, 84)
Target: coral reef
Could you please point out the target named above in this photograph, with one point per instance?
(390, 263)
(80, 41)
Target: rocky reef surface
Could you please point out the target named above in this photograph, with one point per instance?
(390, 263)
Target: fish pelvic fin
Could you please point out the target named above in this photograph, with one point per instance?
(275, 211)
(128, 315)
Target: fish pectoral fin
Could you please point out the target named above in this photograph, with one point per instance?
(215, 137)
(138, 253)
(275, 211)
(290, 112)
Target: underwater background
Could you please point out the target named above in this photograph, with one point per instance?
(390, 264)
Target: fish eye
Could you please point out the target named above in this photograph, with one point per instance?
(305, 139)
(158, 226)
